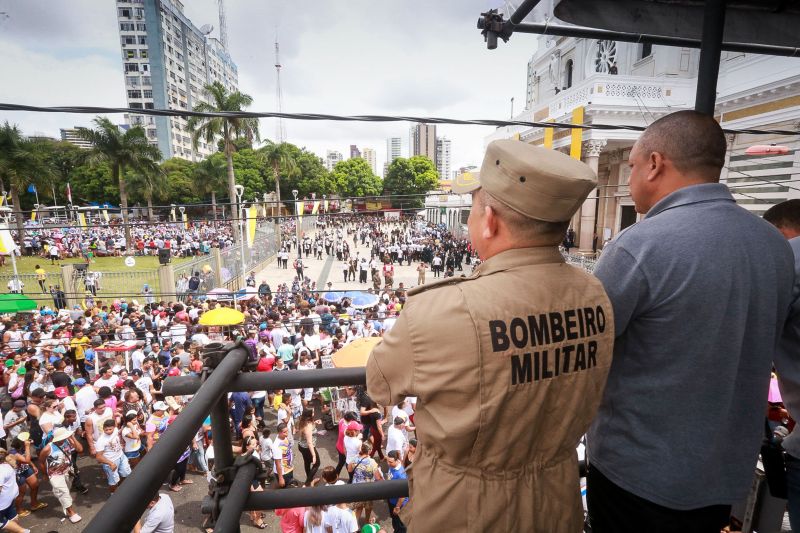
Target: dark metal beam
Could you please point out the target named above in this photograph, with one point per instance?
(221, 432)
(234, 503)
(291, 379)
(710, 51)
(359, 492)
(127, 504)
(593, 33)
(522, 11)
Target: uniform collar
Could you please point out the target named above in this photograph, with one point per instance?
(518, 257)
(693, 194)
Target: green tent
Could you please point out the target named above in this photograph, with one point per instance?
(16, 303)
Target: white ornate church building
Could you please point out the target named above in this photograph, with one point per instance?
(608, 82)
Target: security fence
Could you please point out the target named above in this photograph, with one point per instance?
(230, 491)
(127, 284)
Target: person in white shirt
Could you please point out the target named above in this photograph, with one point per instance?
(109, 453)
(137, 357)
(396, 438)
(84, 398)
(160, 518)
(341, 519)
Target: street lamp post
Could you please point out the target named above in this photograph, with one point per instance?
(6, 211)
(239, 194)
(296, 221)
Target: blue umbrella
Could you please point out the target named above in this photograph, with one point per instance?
(334, 296)
(363, 299)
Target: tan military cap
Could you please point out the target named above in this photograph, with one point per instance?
(536, 182)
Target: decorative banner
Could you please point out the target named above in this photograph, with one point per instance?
(33, 216)
(299, 207)
(548, 135)
(576, 134)
(185, 221)
(264, 210)
(315, 209)
(252, 215)
(69, 193)
(326, 205)
(81, 219)
(6, 240)
(172, 214)
(2, 199)
(374, 206)
(105, 215)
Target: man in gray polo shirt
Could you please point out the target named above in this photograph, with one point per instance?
(700, 290)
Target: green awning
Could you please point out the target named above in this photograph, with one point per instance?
(16, 303)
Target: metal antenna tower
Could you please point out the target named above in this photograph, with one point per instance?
(223, 26)
(280, 131)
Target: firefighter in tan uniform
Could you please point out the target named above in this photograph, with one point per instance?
(508, 365)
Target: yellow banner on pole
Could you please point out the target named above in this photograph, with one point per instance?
(185, 221)
(576, 134)
(252, 216)
(299, 207)
(6, 240)
(82, 219)
(105, 215)
(548, 135)
(326, 205)
(33, 216)
(172, 214)
(315, 209)
(264, 210)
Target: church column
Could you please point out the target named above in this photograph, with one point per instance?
(591, 152)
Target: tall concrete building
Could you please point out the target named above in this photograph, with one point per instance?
(70, 135)
(394, 149)
(443, 152)
(332, 158)
(354, 151)
(167, 61)
(368, 154)
(422, 141)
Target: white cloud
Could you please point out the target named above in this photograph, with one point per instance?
(355, 57)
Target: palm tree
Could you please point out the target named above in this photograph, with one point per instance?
(122, 151)
(148, 180)
(23, 162)
(229, 128)
(277, 156)
(210, 176)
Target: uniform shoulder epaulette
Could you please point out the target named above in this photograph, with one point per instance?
(437, 284)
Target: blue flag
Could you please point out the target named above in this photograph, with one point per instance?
(32, 188)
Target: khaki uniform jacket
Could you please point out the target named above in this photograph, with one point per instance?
(508, 366)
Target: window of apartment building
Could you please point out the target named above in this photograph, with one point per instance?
(143, 54)
(132, 81)
(148, 105)
(135, 105)
(125, 12)
(145, 67)
(151, 134)
(131, 67)
(148, 93)
(169, 49)
(146, 80)
(141, 26)
(126, 26)
(142, 39)
(129, 39)
(139, 12)
(134, 94)
(174, 100)
(129, 54)
(645, 50)
(568, 68)
(172, 75)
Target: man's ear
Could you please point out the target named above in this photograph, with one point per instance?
(655, 165)
(490, 221)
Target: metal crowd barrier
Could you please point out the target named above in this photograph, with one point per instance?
(223, 374)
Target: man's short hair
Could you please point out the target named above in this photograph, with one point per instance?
(693, 141)
(523, 228)
(281, 427)
(784, 215)
(394, 454)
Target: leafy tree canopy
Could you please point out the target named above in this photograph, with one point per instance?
(354, 177)
(412, 176)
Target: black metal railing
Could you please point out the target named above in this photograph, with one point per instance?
(129, 502)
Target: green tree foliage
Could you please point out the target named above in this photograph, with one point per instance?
(93, 183)
(354, 177)
(210, 178)
(65, 158)
(311, 175)
(415, 175)
(278, 157)
(122, 151)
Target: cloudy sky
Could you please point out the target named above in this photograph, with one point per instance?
(402, 57)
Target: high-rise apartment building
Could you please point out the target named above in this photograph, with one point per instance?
(70, 135)
(443, 152)
(332, 158)
(354, 151)
(167, 61)
(422, 141)
(394, 149)
(368, 154)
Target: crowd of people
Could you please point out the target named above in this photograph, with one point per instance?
(63, 397)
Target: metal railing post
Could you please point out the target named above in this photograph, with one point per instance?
(127, 504)
(234, 503)
(221, 434)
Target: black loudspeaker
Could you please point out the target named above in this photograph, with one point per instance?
(164, 256)
(80, 267)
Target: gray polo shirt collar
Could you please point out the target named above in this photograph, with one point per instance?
(693, 194)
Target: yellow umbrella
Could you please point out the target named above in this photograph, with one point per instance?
(356, 353)
(221, 316)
